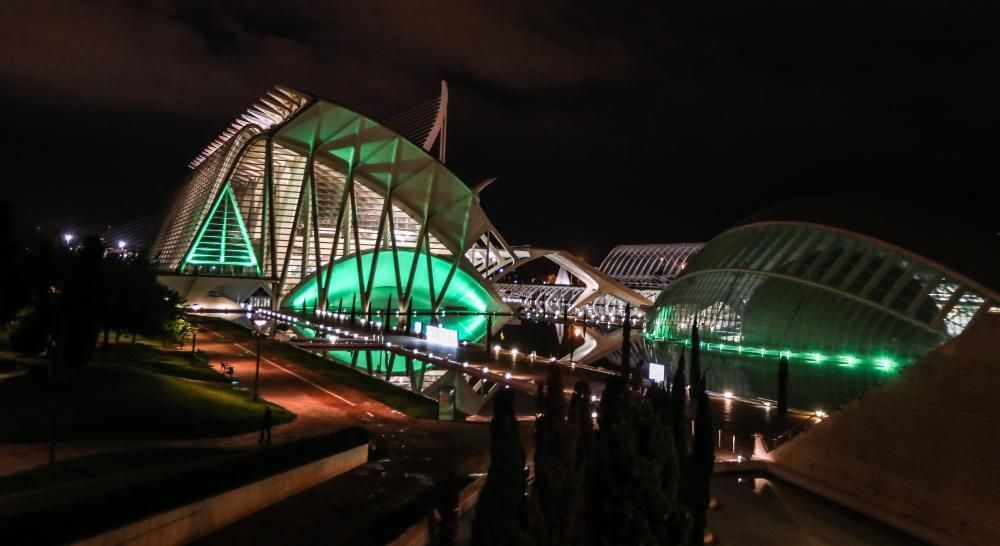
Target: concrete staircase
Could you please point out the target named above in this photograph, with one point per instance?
(922, 451)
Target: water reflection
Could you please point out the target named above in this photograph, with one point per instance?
(810, 385)
(401, 371)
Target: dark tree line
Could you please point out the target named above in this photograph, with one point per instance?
(61, 301)
(629, 480)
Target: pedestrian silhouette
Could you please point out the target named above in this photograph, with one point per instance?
(265, 427)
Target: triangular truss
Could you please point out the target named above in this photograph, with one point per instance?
(223, 239)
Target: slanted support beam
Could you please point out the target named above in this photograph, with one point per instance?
(348, 184)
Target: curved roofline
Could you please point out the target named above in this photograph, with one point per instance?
(465, 267)
(986, 291)
(276, 133)
(274, 129)
(815, 284)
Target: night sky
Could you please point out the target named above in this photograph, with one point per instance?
(605, 121)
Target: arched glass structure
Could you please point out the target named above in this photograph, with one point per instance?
(648, 266)
(821, 296)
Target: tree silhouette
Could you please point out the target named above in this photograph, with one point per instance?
(699, 468)
(499, 519)
(678, 402)
(695, 354)
(783, 386)
(557, 489)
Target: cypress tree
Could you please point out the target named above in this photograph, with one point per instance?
(627, 345)
(499, 519)
(783, 386)
(557, 490)
(695, 355)
(678, 402)
(444, 531)
(354, 299)
(582, 422)
(699, 469)
(583, 426)
(678, 517)
(626, 502)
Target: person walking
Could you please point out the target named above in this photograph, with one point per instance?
(265, 427)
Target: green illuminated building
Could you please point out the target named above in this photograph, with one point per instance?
(824, 296)
(298, 183)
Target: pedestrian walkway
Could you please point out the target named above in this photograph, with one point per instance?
(320, 404)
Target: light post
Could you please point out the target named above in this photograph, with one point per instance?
(194, 330)
(256, 374)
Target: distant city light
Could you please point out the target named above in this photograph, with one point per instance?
(68, 237)
(121, 245)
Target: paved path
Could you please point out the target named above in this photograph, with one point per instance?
(321, 406)
(408, 454)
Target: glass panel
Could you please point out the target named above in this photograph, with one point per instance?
(770, 245)
(888, 279)
(754, 246)
(868, 269)
(912, 288)
(819, 246)
(961, 314)
(855, 253)
(791, 249)
(820, 269)
(805, 246)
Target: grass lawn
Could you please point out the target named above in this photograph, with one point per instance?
(128, 393)
(11, 361)
(407, 402)
(148, 356)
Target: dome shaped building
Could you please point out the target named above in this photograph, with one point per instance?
(840, 296)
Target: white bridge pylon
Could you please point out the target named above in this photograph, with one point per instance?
(596, 283)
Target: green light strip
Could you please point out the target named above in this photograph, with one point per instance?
(882, 362)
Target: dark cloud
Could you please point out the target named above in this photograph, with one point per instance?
(640, 120)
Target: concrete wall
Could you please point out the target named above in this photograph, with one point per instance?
(190, 522)
(418, 534)
(918, 452)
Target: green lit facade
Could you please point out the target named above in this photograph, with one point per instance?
(384, 284)
(298, 183)
(821, 296)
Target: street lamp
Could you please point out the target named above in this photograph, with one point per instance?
(68, 237)
(194, 331)
(256, 374)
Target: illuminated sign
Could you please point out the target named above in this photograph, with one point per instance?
(442, 336)
(656, 372)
